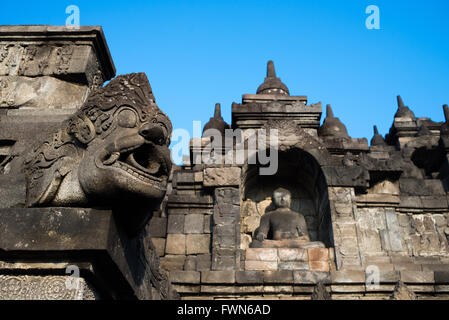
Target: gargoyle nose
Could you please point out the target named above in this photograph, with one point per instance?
(153, 132)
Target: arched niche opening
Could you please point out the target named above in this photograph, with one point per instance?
(300, 173)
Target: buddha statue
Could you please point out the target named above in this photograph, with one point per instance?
(282, 223)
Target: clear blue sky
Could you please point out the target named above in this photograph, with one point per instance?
(198, 53)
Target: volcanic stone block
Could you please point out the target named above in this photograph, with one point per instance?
(282, 276)
(389, 276)
(435, 267)
(176, 244)
(207, 224)
(186, 288)
(318, 254)
(12, 190)
(407, 266)
(348, 276)
(261, 265)
(293, 254)
(319, 266)
(293, 265)
(194, 223)
(441, 277)
(229, 176)
(175, 223)
(172, 262)
(185, 277)
(203, 262)
(219, 290)
(158, 227)
(48, 237)
(249, 277)
(417, 276)
(225, 236)
(159, 244)
(197, 243)
(309, 277)
(218, 277)
(190, 263)
(225, 259)
(262, 254)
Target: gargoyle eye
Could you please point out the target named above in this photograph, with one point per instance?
(127, 118)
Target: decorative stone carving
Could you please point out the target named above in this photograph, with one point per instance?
(6, 94)
(114, 148)
(27, 58)
(64, 55)
(26, 287)
(4, 50)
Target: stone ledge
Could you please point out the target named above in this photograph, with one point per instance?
(191, 277)
(417, 276)
(249, 277)
(377, 199)
(281, 276)
(310, 277)
(92, 35)
(441, 277)
(348, 276)
(218, 277)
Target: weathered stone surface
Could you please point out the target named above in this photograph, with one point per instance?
(320, 292)
(441, 277)
(43, 94)
(293, 254)
(248, 277)
(49, 287)
(225, 259)
(175, 223)
(157, 227)
(185, 277)
(402, 292)
(176, 244)
(159, 244)
(310, 277)
(207, 224)
(348, 276)
(293, 265)
(284, 276)
(190, 263)
(228, 176)
(261, 265)
(319, 266)
(194, 223)
(203, 262)
(172, 262)
(417, 276)
(318, 254)
(197, 243)
(73, 234)
(187, 289)
(262, 254)
(38, 50)
(218, 277)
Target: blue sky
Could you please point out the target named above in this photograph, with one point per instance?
(197, 53)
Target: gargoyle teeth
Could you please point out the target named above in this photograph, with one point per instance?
(112, 158)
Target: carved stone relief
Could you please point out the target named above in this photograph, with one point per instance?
(27, 287)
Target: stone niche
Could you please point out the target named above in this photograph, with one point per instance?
(299, 173)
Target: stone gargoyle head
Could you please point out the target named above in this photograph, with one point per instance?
(113, 151)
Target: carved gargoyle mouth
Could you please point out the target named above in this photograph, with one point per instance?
(145, 161)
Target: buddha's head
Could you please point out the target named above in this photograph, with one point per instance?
(282, 198)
